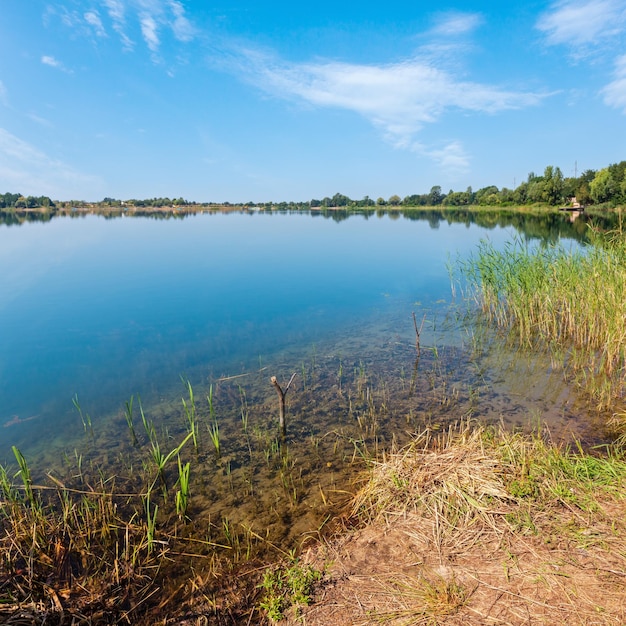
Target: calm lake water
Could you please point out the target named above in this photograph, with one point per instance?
(109, 308)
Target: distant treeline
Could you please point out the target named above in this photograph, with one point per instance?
(18, 201)
(606, 186)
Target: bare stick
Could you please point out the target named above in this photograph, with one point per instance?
(281, 402)
(418, 332)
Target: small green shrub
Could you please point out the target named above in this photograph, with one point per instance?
(286, 587)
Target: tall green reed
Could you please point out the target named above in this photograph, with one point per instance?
(27, 481)
(213, 426)
(555, 297)
(161, 459)
(214, 434)
(190, 414)
(183, 493)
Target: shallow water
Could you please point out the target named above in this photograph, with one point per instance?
(108, 308)
(105, 309)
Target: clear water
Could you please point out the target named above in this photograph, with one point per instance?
(107, 308)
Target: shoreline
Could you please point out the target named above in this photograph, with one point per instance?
(470, 526)
(95, 208)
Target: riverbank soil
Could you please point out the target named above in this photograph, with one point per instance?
(479, 532)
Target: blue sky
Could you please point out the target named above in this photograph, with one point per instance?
(254, 101)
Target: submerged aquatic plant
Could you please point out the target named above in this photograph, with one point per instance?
(85, 418)
(148, 425)
(128, 413)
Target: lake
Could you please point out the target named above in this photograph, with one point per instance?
(95, 310)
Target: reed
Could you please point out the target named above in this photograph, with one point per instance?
(9, 494)
(58, 539)
(183, 493)
(190, 414)
(85, 418)
(214, 434)
(210, 401)
(148, 425)
(151, 515)
(128, 414)
(99, 546)
(27, 481)
(79, 464)
(340, 375)
(303, 374)
(245, 411)
(161, 460)
(571, 302)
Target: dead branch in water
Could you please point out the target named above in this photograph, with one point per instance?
(281, 402)
(418, 332)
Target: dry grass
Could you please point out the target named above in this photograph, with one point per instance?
(481, 527)
(92, 550)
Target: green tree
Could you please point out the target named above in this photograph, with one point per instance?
(394, 200)
(435, 196)
(534, 190)
(520, 195)
(340, 200)
(458, 198)
(487, 195)
(583, 193)
(603, 187)
(552, 185)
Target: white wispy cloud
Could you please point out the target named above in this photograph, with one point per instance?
(93, 19)
(615, 92)
(26, 169)
(115, 9)
(51, 61)
(181, 26)
(117, 13)
(150, 31)
(577, 22)
(55, 63)
(591, 29)
(154, 17)
(452, 157)
(398, 98)
(71, 19)
(455, 23)
(40, 120)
